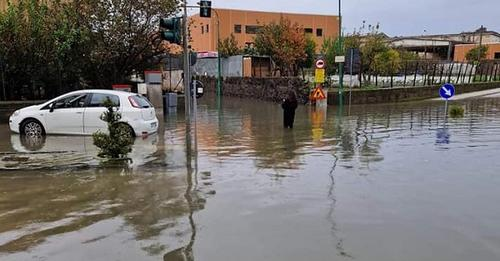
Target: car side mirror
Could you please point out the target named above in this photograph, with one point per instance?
(51, 107)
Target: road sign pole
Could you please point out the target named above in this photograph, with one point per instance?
(350, 81)
(446, 108)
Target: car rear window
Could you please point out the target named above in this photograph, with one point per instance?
(98, 99)
(141, 101)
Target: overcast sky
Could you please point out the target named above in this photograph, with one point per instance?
(396, 17)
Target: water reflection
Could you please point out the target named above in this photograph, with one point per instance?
(345, 181)
(52, 151)
(442, 136)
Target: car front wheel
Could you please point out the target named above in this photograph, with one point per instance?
(32, 128)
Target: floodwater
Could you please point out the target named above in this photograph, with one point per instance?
(382, 182)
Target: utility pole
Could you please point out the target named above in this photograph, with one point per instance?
(341, 65)
(187, 74)
(480, 43)
(219, 74)
(425, 46)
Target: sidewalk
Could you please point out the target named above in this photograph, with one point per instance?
(492, 93)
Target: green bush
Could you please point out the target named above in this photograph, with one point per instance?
(117, 143)
(456, 111)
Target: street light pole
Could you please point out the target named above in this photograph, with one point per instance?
(187, 75)
(341, 65)
(480, 43)
(219, 83)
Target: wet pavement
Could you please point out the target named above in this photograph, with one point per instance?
(381, 182)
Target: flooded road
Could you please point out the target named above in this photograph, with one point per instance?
(387, 182)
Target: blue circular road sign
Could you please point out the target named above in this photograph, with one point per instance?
(447, 91)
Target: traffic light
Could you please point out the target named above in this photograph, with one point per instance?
(205, 8)
(172, 28)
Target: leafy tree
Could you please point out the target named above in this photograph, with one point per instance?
(329, 50)
(229, 47)
(250, 50)
(40, 43)
(352, 41)
(118, 142)
(387, 62)
(124, 37)
(408, 56)
(65, 45)
(472, 54)
(285, 43)
(310, 52)
(373, 45)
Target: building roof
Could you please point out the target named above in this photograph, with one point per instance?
(433, 36)
(423, 40)
(271, 12)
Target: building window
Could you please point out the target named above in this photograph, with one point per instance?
(497, 55)
(319, 32)
(252, 29)
(308, 30)
(237, 28)
(202, 29)
(207, 29)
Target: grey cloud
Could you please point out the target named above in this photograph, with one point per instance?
(397, 17)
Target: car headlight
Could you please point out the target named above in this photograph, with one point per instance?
(16, 113)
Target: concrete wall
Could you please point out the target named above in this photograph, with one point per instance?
(268, 89)
(403, 94)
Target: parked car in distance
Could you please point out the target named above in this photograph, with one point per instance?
(79, 112)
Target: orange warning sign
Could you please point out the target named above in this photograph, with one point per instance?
(318, 94)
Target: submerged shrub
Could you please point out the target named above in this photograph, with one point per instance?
(456, 111)
(117, 143)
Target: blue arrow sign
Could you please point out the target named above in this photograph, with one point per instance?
(447, 91)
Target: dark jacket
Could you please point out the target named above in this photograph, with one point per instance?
(289, 107)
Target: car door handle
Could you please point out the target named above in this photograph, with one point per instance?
(79, 112)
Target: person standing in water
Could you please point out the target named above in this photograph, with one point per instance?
(289, 105)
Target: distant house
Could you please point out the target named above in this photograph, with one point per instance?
(444, 46)
(461, 51)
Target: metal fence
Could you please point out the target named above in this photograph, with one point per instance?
(426, 73)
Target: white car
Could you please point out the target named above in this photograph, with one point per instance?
(78, 113)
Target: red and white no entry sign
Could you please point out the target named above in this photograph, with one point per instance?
(320, 64)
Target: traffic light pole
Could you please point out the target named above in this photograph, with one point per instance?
(219, 65)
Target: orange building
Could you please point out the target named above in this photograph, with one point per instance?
(245, 24)
(462, 49)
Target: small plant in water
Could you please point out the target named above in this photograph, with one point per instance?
(456, 111)
(117, 143)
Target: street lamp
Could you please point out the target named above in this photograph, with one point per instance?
(219, 83)
(341, 65)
